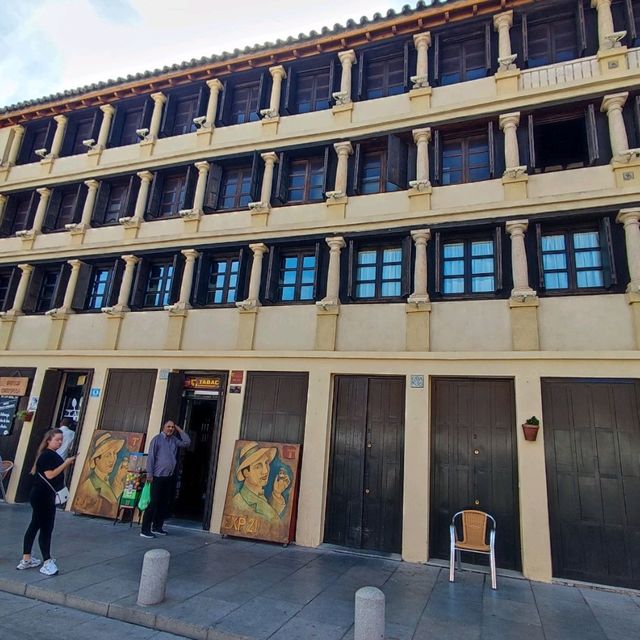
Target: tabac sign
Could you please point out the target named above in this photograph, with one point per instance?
(204, 383)
(13, 386)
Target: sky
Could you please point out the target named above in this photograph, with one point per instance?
(52, 45)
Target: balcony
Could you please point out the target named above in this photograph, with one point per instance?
(559, 73)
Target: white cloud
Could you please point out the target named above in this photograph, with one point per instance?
(53, 45)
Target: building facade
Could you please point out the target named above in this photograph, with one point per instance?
(391, 242)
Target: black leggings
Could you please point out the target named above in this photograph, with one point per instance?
(156, 512)
(42, 519)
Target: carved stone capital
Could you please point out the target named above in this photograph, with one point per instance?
(214, 84)
(343, 148)
(107, 109)
(278, 72)
(269, 157)
(60, 119)
(629, 216)
(190, 254)
(507, 120)
(422, 39)
(614, 101)
(336, 243)
(421, 236)
(202, 166)
(421, 135)
(158, 97)
(145, 176)
(347, 57)
(502, 20)
(259, 248)
(516, 227)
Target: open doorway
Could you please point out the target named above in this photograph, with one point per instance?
(195, 402)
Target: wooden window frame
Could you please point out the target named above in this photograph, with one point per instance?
(281, 192)
(291, 101)
(86, 283)
(52, 223)
(142, 281)
(196, 93)
(103, 198)
(216, 177)
(8, 223)
(116, 132)
(227, 98)
(185, 199)
(33, 299)
(274, 269)
(455, 36)
(32, 130)
(72, 142)
(568, 229)
(202, 290)
(382, 53)
(12, 274)
(445, 237)
(405, 244)
(394, 171)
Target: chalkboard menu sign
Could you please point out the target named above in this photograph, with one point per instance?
(8, 406)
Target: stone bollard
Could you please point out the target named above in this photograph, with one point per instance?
(153, 579)
(369, 617)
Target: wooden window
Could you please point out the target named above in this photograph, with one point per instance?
(159, 281)
(383, 72)
(101, 288)
(220, 278)
(566, 140)
(171, 192)
(468, 265)
(180, 109)
(309, 90)
(461, 156)
(302, 179)
(575, 258)
(130, 116)
(64, 207)
(246, 103)
(461, 56)
(46, 288)
(9, 279)
(115, 200)
(38, 135)
(235, 190)
(19, 212)
(380, 167)
(297, 276)
(548, 37)
(632, 9)
(242, 101)
(80, 127)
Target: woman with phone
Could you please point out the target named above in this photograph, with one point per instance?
(48, 471)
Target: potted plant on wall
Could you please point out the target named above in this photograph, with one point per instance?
(25, 415)
(530, 427)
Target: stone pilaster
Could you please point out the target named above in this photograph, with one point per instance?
(418, 308)
(122, 306)
(630, 219)
(16, 135)
(502, 23)
(58, 137)
(514, 178)
(252, 301)
(328, 308)
(338, 197)
(215, 87)
(183, 304)
(260, 210)
(347, 60)
(28, 235)
(422, 42)
(420, 189)
(77, 230)
(132, 223)
(192, 216)
(278, 74)
(612, 105)
(608, 37)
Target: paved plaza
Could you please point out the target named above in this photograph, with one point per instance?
(226, 589)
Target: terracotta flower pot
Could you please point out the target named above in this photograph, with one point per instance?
(530, 431)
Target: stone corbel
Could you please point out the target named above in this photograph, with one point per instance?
(613, 39)
(627, 156)
(512, 173)
(507, 63)
(59, 314)
(269, 114)
(130, 222)
(248, 305)
(421, 186)
(116, 311)
(190, 214)
(179, 309)
(328, 304)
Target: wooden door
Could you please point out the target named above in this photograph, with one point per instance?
(592, 448)
(473, 462)
(364, 501)
(127, 400)
(275, 407)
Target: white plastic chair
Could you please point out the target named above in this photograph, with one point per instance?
(474, 536)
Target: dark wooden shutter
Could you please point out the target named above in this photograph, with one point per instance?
(326, 163)
(273, 274)
(406, 64)
(406, 269)
(592, 134)
(186, 202)
(9, 216)
(102, 199)
(581, 28)
(33, 290)
(532, 143)
(95, 125)
(608, 259)
(539, 256)
(43, 421)
(212, 190)
(263, 85)
(436, 58)
(333, 79)
(168, 116)
(437, 244)
(172, 399)
(53, 208)
(525, 40)
(282, 183)
(243, 268)
(69, 137)
(82, 287)
(176, 280)
(9, 297)
(223, 111)
(291, 91)
(61, 286)
(256, 166)
(127, 400)
(202, 278)
(78, 204)
(132, 195)
(351, 269)
(412, 159)
(153, 205)
(115, 280)
(397, 161)
(357, 166)
(117, 124)
(147, 112)
(201, 103)
(437, 158)
(362, 79)
(317, 254)
(488, 62)
(498, 258)
(630, 22)
(492, 149)
(140, 283)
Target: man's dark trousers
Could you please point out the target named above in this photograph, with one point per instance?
(156, 512)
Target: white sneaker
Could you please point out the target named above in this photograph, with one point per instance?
(49, 568)
(29, 564)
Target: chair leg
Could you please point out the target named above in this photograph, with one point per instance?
(459, 556)
(4, 495)
(452, 564)
(492, 560)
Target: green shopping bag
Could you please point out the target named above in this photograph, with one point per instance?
(145, 496)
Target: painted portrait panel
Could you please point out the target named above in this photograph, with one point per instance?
(262, 491)
(105, 471)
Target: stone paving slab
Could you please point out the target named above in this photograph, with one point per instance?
(226, 589)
